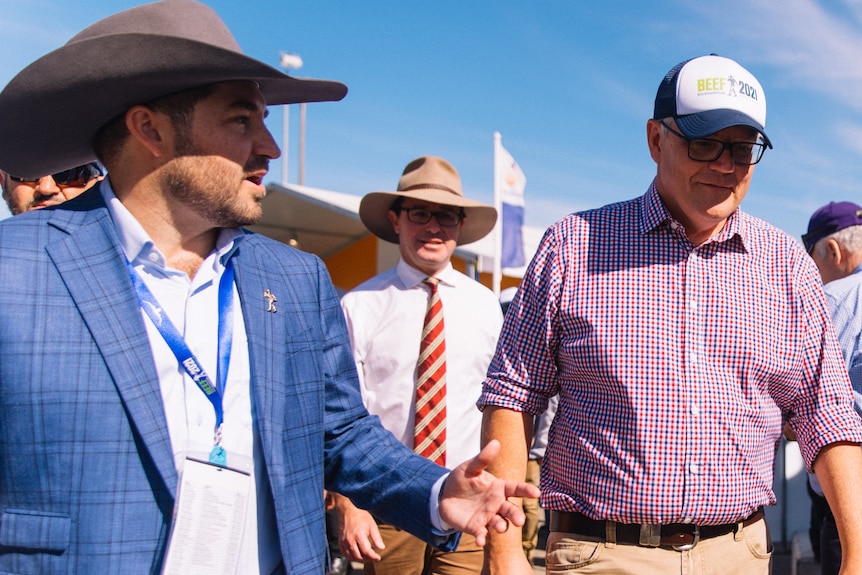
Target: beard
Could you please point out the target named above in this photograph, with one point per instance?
(211, 185)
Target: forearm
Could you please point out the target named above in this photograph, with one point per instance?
(514, 431)
(838, 467)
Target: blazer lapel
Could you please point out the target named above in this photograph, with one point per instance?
(92, 266)
(263, 328)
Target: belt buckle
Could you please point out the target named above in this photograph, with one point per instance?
(691, 545)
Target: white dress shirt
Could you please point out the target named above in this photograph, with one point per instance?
(385, 316)
(192, 306)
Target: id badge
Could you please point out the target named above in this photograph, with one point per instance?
(209, 518)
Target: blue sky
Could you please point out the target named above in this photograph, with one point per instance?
(568, 83)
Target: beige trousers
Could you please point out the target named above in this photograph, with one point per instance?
(407, 555)
(748, 552)
(530, 530)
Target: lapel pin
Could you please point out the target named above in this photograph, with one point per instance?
(270, 301)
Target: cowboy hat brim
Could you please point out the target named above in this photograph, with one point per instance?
(51, 110)
(479, 218)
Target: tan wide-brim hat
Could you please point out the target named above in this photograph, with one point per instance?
(434, 180)
(51, 110)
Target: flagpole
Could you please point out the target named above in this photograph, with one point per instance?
(497, 275)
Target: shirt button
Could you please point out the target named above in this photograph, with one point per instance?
(153, 257)
(695, 410)
(694, 468)
(692, 304)
(688, 520)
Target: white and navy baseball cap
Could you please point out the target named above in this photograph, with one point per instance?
(710, 93)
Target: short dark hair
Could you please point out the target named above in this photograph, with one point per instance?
(178, 107)
(397, 204)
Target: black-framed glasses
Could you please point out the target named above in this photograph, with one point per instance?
(445, 218)
(707, 150)
(77, 177)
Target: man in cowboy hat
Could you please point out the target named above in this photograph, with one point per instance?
(183, 391)
(434, 414)
(25, 194)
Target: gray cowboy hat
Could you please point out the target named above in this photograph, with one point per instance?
(434, 180)
(51, 110)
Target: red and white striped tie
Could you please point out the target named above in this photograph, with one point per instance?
(430, 426)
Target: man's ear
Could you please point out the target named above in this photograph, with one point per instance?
(152, 130)
(4, 190)
(393, 218)
(654, 139)
(833, 252)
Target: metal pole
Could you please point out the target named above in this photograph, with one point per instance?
(288, 62)
(284, 143)
(497, 272)
(302, 144)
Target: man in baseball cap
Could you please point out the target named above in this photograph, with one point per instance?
(834, 242)
(831, 218)
(182, 391)
(680, 334)
(422, 334)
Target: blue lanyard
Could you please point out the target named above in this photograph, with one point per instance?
(214, 391)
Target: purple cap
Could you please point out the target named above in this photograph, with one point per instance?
(831, 218)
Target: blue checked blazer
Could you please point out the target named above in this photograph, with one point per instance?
(87, 477)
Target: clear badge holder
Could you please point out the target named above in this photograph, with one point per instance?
(209, 516)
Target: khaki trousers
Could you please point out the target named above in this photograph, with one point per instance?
(530, 530)
(407, 555)
(747, 552)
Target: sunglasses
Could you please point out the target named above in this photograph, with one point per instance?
(77, 177)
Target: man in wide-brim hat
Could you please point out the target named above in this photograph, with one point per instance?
(434, 180)
(423, 335)
(182, 391)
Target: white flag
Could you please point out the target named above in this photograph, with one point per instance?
(512, 184)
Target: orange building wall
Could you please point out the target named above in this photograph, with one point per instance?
(505, 281)
(354, 264)
(358, 262)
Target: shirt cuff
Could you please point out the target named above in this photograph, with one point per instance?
(443, 537)
(438, 526)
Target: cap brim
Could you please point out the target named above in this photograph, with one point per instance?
(704, 124)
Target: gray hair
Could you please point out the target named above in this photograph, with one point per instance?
(849, 239)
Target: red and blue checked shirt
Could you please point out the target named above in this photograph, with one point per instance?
(676, 364)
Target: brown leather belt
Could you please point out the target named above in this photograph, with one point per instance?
(679, 536)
